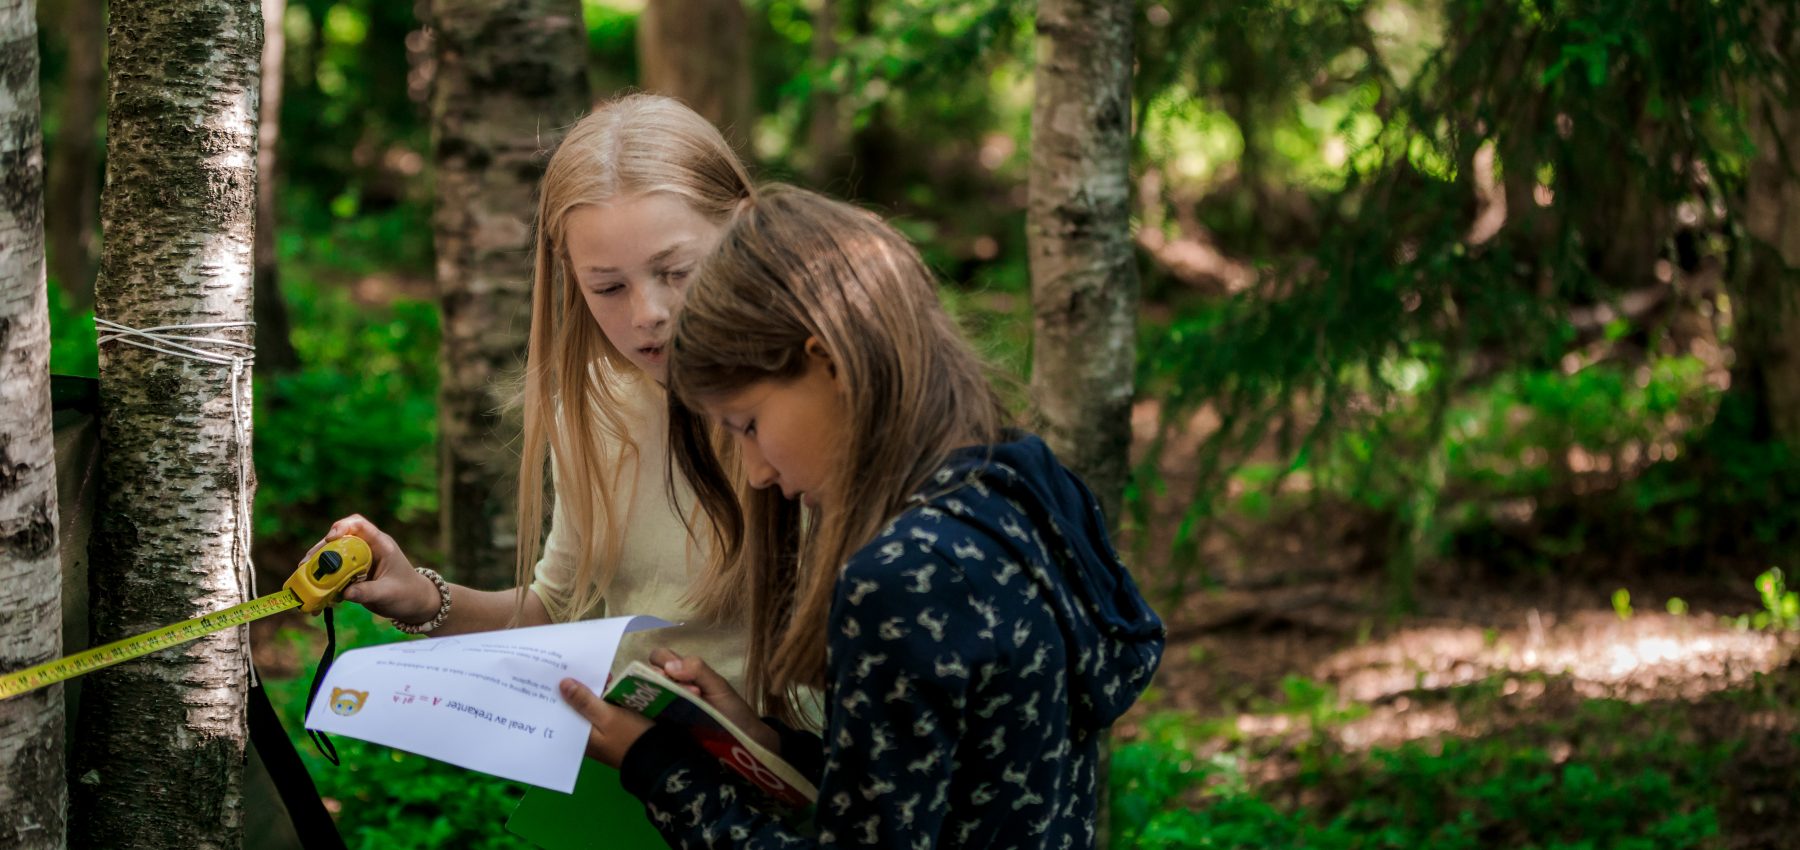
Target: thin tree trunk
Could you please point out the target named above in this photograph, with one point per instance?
(699, 51)
(1765, 287)
(827, 133)
(160, 747)
(1084, 278)
(73, 216)
(875, 145)
(274, 338)
(1084, 286)
(33, 798)
(510, 76)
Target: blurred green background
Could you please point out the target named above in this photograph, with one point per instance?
(1459, 476)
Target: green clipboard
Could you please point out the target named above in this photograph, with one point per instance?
(600, 813)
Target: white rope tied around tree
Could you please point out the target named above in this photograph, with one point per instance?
(238, 356)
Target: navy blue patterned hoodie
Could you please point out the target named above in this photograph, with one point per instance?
(978, 647)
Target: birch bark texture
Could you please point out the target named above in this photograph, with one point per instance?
(1084, 286)
(511, 77)
(160, 748)
(33, 799)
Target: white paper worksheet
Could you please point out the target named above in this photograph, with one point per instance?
(486, 701)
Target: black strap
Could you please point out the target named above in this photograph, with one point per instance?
(320, 740)
(312, 823)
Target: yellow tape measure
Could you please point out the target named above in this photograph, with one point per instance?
(313, 586)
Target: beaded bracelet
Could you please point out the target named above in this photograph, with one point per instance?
(443, 605)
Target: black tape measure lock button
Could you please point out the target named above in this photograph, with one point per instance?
(328, 563)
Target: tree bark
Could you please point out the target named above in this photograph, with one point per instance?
(33, 798)
(72, 223)
(160, 750)
(827, 131)
(1765, 286)
(699, 51)
(274, 338)
(510, 76)
(1084, 276)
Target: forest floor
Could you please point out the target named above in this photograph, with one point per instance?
(1283, 673)
(1292, 664)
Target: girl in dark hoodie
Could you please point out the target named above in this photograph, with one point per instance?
(952, 594)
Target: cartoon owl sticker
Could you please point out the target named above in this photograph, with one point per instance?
(347, 702)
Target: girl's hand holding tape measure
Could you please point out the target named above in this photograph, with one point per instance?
(392, 588)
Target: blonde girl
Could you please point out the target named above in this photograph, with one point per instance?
(955, 597)
(633, 198)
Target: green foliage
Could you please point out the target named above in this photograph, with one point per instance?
(1780, 606)
(999, 324)
(1340, 148)
(1315, 701)
(937, 100)
(387, 798)
(1735, 493)
(1500, 462)
(356, 426)
(1621, 604)
(353, 122)
(341, 235)
(73, 340)
(612, 46)
(1154, 775)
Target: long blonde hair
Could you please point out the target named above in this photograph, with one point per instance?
(795, 265)
(630, 146)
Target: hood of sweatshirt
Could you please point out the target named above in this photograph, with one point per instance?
(1116, 641)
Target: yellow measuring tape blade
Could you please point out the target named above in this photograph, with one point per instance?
(70, 666)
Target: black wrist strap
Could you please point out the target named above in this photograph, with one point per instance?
(320, 740)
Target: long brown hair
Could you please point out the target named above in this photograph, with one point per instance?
(795, 265)
(633, 145)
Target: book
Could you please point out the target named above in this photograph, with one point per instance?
(646, 690)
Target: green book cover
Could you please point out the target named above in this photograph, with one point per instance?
(600, 813)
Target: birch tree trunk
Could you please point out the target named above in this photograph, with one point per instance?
(160, 745)
(1084, 287)
(699, 51)
(510, 76)
(74, 182)
(32, 790)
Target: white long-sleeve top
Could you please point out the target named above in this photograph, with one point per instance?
(658, 562)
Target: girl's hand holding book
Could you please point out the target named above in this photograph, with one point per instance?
(702, 681)
(614, 729)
